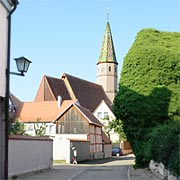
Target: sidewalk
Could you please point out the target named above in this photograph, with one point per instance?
(141, 174)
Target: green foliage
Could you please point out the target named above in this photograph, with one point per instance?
(107, 128)
(149, 88)
(117, 126)
(164, 145)
(17, 128)
(40, 128)
(153, 61)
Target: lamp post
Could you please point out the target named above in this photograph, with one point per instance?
(22, 64)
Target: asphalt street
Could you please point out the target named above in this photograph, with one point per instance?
(108, 169)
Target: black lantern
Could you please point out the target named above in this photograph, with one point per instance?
(22, 65)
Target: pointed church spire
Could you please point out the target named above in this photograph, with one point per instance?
(107, 53)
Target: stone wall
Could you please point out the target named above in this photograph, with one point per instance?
(159, 170)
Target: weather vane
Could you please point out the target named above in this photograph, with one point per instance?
(107, 13)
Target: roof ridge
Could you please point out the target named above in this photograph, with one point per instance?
(47, 76)
(86, 115)
(81, 79)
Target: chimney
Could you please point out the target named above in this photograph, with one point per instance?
(59, 101)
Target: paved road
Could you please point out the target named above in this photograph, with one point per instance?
(107, 169)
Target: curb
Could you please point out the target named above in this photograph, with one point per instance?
(128, 175)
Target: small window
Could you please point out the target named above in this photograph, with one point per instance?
(115, 69)
(99, 114)
(51, 129)
(29, 127)
(109, 68)
(105, 123)
(106, 116)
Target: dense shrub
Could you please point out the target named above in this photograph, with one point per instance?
(164, 145)
(149, 88)
(17, 128)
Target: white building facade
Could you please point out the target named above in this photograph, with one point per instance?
(105, 116)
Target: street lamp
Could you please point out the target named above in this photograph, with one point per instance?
(22, 65)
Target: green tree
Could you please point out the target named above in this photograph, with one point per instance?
(149, 87)
(164, 145)
(40, 128)
(117, 126)
(17, 128)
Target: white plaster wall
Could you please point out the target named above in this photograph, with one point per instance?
(104, 108)
(3, 48)
(50, 129)
(83, 150)
(26, 155)
(60, 148)
(62, 145)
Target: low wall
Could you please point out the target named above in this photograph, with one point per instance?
(83, 149)
(27, 154)
(107, 150)
(62, 147)
(126, 147)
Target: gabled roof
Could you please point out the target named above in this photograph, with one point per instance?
(107, 104)
(45, 110)
(107, 51)
(85, 112)
(91, 118)
(105, 139)
(88, 94)
(70, 87)
(15, 101)
(50, 88)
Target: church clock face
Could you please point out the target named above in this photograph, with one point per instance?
(102, 69)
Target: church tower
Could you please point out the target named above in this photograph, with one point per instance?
(107, 66)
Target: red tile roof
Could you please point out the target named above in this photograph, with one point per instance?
(47, 111)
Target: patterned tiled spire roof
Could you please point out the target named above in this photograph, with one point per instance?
(107, 51)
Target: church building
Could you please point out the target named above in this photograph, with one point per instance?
(107, 65)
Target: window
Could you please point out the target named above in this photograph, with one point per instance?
(51, 129)
(109, 68)
(99, 114)
(29, 127)
(105, 123)
(106, 116)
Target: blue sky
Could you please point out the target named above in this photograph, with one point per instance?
(65, 36)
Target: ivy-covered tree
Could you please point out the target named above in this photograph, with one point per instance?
(149, 87)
